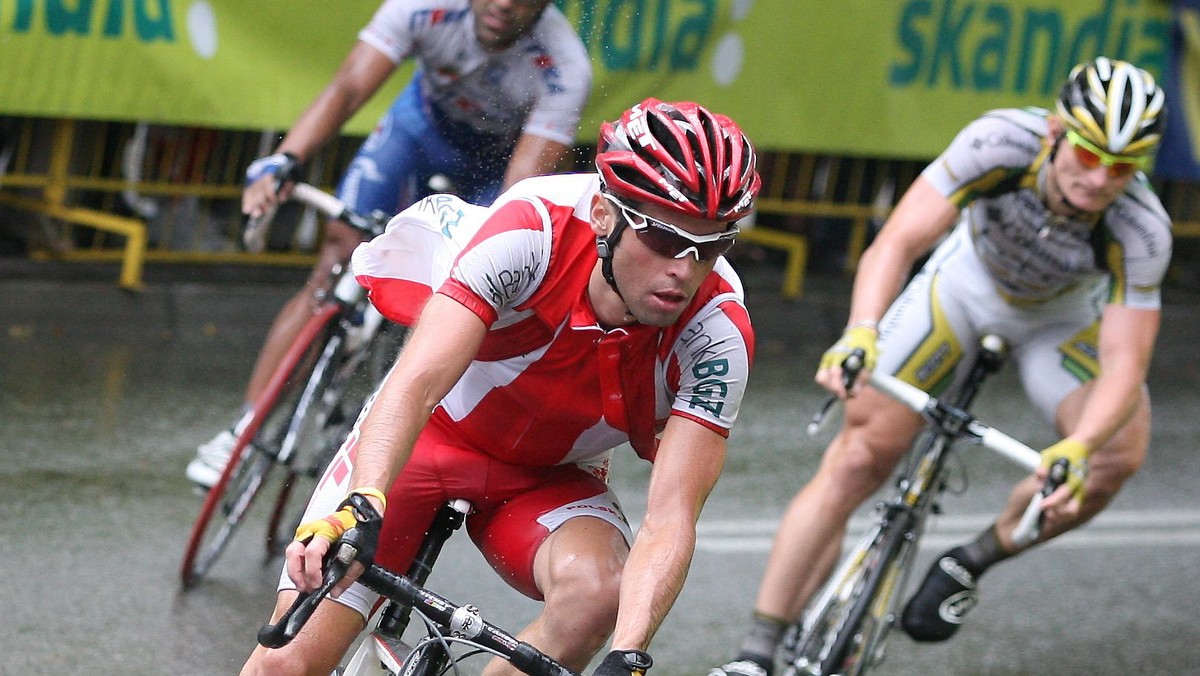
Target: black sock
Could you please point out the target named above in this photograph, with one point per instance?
(762, 639)
(982, 553)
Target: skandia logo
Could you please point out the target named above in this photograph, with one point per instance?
(1024, 47)
(147, 21)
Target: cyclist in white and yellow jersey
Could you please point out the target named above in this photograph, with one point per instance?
(1057, 243)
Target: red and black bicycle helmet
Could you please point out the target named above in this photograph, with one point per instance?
(679, 156)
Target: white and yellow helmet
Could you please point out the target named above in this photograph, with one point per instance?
(1114, 105)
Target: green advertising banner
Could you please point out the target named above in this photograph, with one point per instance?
(214, 63)
(891, 78)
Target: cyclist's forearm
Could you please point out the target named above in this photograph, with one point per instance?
(1113, 399)
(387, 436)
(689, 460)
(881, 275)
(359, 77)
(1126, 344)
(650, 583)
(533, 156)
(318, 124)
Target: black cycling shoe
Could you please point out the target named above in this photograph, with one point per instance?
(943, 600)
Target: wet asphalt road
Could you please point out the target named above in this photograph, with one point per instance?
(104, 396)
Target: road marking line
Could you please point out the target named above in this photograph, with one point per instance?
(1168, 527)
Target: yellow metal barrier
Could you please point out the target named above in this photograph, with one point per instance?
(187, 181)
(95, 175)
(54, 194)
(793, 245)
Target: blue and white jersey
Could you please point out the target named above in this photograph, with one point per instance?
(538, 85)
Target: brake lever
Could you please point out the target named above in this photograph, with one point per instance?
(851, 366)
(293, 620)
(1029, 528)
(356, 544)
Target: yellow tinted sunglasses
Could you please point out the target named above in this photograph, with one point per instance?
(1091, 157)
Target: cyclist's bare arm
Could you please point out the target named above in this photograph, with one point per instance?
(689, 460)
(364, 70)
(442, 345)
(1126, 345)
(534, 156)
(919, 220)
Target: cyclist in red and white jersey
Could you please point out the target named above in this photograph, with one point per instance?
(577, 313)
(497, 97)
(1056, 243)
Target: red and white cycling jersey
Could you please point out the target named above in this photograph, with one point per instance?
(542, 80)
(550, 385)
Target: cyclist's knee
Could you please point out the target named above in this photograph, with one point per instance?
(265, 662)
(582, 582)
(587, 583)
(336, 625)
(862, 457)
(1113, 463)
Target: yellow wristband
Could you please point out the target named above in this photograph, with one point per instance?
(372, 493)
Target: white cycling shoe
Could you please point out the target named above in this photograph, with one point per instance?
(739, 668)
(211, 457)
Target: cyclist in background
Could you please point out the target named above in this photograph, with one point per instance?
(1060, 247)
(497, 97)
(584, 312)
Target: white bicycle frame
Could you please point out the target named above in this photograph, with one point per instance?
(1028, 528)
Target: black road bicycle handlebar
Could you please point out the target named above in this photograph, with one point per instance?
(357, 544)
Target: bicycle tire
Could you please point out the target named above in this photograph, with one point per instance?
(852, 646)
(253, 455)
(347, 378)
(826, 642)
(312, 446)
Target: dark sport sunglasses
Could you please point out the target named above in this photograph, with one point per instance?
(672, 241)
(1091, 157)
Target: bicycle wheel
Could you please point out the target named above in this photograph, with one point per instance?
(314, 433)
(256, 452)
(340, 386)
(841, 633)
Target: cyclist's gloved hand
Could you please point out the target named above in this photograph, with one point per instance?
(860, 336)
(1076, 453)
(284, 166)
(333, 526)
(624, 663)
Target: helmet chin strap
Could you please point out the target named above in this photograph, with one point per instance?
(604, 249)
(1053, 170)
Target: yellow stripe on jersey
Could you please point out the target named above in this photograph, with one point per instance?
(1116, 268)
(931, 365)
(979, 186)
(989, 182)
(1081, 354)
